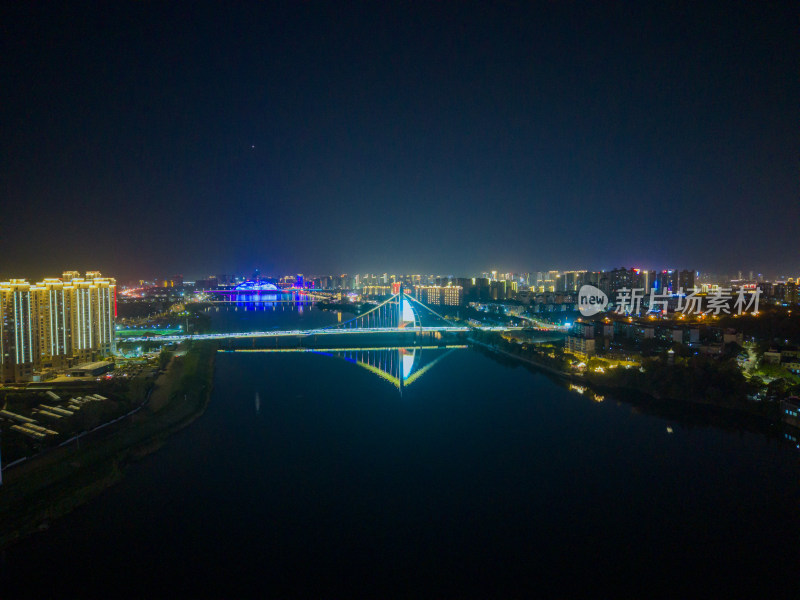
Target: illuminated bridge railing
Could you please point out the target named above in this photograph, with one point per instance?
(305, 333)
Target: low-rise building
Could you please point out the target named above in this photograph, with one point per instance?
(92, 369)
(580, 346)
(790, 411)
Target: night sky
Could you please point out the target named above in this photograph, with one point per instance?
(149, 139)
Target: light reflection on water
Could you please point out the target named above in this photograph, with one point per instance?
(270, 312)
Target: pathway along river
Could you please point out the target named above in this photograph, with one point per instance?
(309, 475)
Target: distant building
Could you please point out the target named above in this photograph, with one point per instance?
(573, 280)
(453, 295)
(502, 290)
(620, 278)
(791, 292)
(209, 283)
(643, 279)
(436, 295)
(583, 329)
(376, 291)
(686, 280)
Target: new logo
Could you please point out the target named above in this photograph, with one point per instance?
(591, 300)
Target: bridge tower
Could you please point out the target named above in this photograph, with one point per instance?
(400, 307)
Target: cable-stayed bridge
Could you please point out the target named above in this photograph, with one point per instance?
(400, 314)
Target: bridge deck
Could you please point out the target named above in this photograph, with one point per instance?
(311, 332)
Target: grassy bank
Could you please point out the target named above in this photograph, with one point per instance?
(52, 485)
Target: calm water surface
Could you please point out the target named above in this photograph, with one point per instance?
(308, 475)
(271, 312)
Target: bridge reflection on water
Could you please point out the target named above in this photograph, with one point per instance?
(399, 365)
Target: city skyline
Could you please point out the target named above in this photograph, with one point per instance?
(427, 137)
(739, 274)
(157, 275)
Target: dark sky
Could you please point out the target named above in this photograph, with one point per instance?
(146, 139)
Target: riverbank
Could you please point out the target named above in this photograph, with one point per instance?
(537, 364)
(52, 485)
(692, 411)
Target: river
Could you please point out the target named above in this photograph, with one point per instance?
(309, 475)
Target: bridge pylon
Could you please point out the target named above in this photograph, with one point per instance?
(399, 310)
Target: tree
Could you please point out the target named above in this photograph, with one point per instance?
(163, 359)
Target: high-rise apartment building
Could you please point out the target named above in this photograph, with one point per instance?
(18, 342)
(92, 316)
(436, 295)
(54, 312)
(55, 323)
(453, 295)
